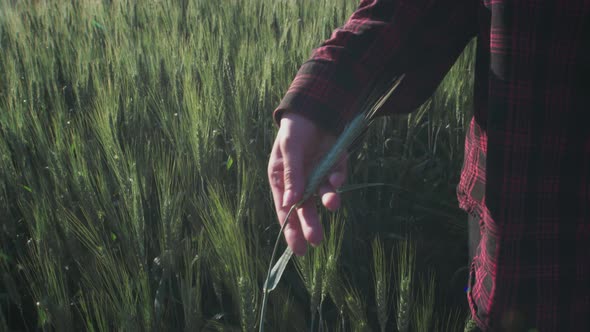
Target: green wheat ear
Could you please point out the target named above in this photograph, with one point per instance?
(350, 134)
(357, 309)
(405, 277)
(424, 310)
(381, 273)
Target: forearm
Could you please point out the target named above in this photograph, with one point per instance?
(421, 39)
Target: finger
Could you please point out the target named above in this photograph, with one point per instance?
(338, 176)
(293, 173)
(310, 223)
(336, 179)
(292, 232)
(330, 198)
(275, 170)
(294, 235)
(275, 176)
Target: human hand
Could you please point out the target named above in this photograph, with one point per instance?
(298, 147)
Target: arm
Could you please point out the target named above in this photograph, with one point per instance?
(421, 38)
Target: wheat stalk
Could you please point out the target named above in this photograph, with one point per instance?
(424, 310)
(405, 276)
(350, 134)
(381, 273)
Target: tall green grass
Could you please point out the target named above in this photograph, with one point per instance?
(134, 138)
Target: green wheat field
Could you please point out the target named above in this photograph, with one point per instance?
(134, 140)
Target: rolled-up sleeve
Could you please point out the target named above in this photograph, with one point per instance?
(418, 38)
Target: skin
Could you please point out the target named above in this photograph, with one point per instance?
(297, 148)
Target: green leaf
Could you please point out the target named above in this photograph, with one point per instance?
(229, 163)
(277, 271)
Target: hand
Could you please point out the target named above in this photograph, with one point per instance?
(298, 147)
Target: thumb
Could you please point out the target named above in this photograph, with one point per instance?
(293, 173)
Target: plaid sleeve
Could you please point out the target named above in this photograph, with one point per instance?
(421, 38)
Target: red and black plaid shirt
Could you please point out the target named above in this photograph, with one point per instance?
(526, 174)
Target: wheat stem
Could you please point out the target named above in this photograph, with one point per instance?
(266, 289)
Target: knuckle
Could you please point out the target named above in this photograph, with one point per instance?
(276, 180)
(287, 141)
(270, 170)
(274, 166)
(290, 177)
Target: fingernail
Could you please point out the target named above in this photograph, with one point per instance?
(288, 198)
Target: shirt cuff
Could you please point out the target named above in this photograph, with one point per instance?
(323, 94)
